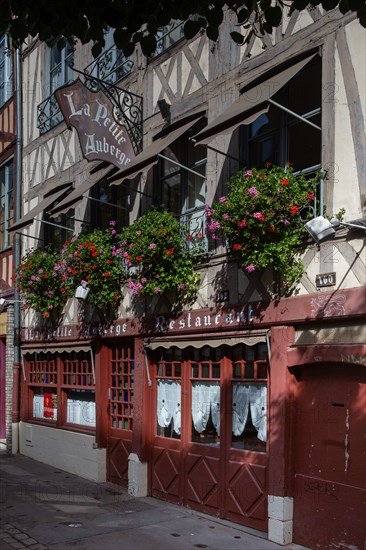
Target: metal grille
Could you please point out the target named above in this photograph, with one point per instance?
(168, 36)
(110, 66)
(49, 114)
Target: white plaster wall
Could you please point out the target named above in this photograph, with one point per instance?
(69, 451)
(346, 186)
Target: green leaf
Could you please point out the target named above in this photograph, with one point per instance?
(212, 33)
(354, 5)
(273, 15)
(215, 16)
(243, 16)
(237, 37)
(343, 6)
(191, 28)
(148, 44)
(329, 4)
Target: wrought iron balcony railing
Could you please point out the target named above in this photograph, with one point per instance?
(168, 36)
(49, 114)
(195, 222)
(111, 66)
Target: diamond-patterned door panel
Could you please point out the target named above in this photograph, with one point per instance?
(118, 452)
(202, 482)
(166, 468)
(246, 495)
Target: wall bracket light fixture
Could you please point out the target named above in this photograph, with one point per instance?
(323, 230)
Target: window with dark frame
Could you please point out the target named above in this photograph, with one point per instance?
(181, 191)
(58, 229)
(62, 389)
(109, 202)
(280, 138)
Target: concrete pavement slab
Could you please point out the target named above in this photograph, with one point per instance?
(44, 508)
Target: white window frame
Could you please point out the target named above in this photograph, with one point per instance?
(5, 199)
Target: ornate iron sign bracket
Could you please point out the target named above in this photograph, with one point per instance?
(127, 106)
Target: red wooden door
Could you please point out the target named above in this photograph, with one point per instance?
(120, 411)
(330, 458)
(197, 461)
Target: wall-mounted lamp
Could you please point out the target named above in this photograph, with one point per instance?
(323, 230)
(82, 292)
(4, 301)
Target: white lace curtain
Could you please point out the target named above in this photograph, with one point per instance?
(205, 399)
(255, 397)
(169, 404)
(81, 412)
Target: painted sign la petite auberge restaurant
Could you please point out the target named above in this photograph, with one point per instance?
(101, 136)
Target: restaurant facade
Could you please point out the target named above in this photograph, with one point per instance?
(243, 406)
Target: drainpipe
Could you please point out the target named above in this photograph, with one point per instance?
(17, 250)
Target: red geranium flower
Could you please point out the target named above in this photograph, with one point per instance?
(311, 195)
(294, 210)
(170, 251)
(243, 223)
(236, 246)
(107, 274)
(139, 258)
(284, 182)
(272, 229)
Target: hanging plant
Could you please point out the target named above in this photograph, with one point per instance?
(41, 282)
(93, 261)
(260, 219)
(157, 258)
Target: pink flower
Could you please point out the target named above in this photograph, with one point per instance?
(112, 222)
(258, 216)
(248, 173)
(253, 191)
(225, 216)
(138, 232)
(152, 245)
(181, 286)
(287, 222)
(250, 268)
(157, 290)
(222, 199)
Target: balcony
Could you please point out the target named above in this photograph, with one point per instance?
(110, 66)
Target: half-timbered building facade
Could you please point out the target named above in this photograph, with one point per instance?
(241, 406)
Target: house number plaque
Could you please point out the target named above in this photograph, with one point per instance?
(325, 279)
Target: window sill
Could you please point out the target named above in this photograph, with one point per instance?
(67, 427)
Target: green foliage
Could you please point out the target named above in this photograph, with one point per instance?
(156, 256)
(41, 281)
(93, 260)
(260, 219)
(86, 20)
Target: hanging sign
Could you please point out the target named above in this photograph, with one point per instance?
(91, 114)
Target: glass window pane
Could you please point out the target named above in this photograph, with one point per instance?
(206, 412)
(249, 414)
(168, 408)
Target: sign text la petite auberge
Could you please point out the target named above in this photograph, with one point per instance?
(91, 114)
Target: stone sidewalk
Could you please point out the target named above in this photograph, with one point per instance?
(43, 508)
